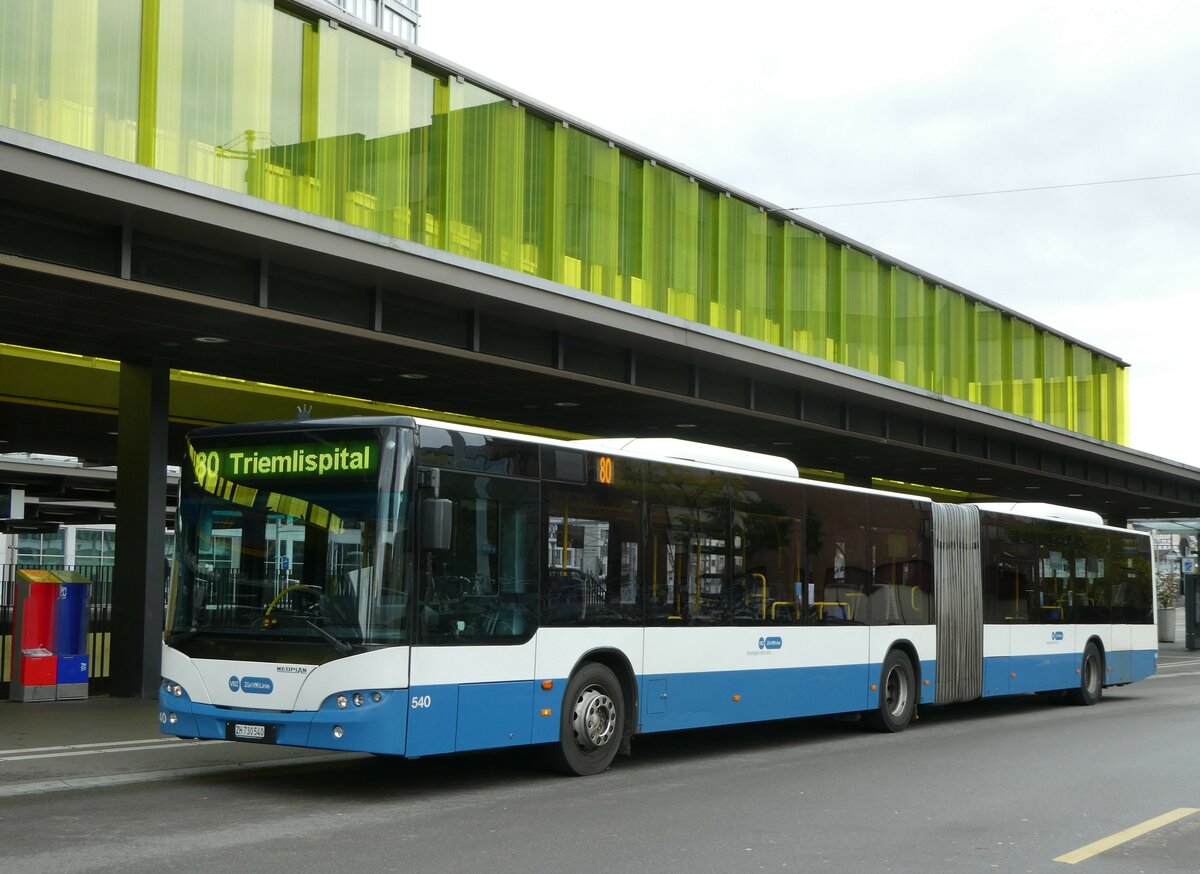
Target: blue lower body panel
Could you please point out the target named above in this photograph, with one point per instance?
(675, 701)
(1049, 672)
(481, 716)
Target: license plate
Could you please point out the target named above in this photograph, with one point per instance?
(263, 734)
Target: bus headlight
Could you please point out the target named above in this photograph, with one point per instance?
(342, 702)
(338, 732)
(358, 699)
(172, 688)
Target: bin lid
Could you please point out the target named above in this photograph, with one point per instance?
(33, 575)
(70, 577)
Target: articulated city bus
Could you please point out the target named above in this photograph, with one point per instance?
(409, 587)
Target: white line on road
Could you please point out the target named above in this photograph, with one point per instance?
(68, 783)
(1174, 675)
(110, 743)
(127, 749)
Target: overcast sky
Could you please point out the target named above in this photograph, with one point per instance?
(807, 103)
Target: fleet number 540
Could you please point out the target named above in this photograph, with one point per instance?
(421, 701)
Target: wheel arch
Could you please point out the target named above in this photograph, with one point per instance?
(617, 662)
(1099, 644)
(907, 647)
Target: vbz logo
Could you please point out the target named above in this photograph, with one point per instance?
(1057, 635)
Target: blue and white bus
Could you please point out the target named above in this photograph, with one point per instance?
(409, 587)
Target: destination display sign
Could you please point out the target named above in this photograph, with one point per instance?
(306, 460)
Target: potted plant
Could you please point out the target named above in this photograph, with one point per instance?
(1168, 588)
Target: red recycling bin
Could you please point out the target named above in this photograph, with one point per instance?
(35, 664)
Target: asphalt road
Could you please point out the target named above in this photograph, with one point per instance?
(1007, 785)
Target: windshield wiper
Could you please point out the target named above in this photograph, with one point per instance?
(336, 642)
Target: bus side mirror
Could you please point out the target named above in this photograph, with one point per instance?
(437, 523)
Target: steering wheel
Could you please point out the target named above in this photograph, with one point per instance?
(298, 587)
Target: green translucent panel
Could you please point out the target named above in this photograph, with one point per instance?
(740, 304)
(861, 312)
(804, 267)
(909, 362)
(708, 258)
(1120, 406)
(1083, 385)
(218, 58)
(630, 238)
(993, 369)
(538, 197)
(587, 216)
(69, 71)
(773, 314)
(670, 234)
(835, 301)
(287, 80)
(1026, 370)
(1057, 398)
(485, 189)
(955, 330)
(376, 160)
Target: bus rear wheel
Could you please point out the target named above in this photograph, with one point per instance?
(1091, 678)
(897, 695)
(591, 724)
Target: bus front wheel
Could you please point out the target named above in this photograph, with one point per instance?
(897, 694)
(591, 724)
(1091, 678)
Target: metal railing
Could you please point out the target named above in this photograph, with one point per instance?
(99, 621)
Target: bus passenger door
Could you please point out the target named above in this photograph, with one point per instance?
(473, 658)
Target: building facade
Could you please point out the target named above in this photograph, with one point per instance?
(276, 101)
(397, 17)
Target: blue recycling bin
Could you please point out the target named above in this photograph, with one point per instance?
(70, 634)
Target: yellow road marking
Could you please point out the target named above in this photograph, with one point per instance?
(1097, 847)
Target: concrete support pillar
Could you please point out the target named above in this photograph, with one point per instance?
(139, 576)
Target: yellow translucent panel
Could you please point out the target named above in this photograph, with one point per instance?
(670, 231)
(69, 72)
(954, 331)
(587, 211)
(992, 375)
(1026, 370)
(218, 56)
(861, 309)
(629, 241)
(1057, 399)
(372, 118)
(1083, 386)
(740, 304)
(484, 169)
(835, 301)
(909, 362)
(538, 178)
(1120, 411)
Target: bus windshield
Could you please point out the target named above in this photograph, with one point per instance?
(293, 537)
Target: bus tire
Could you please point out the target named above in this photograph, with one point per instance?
(1091, 678)
(897, 695)
(591, 724)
